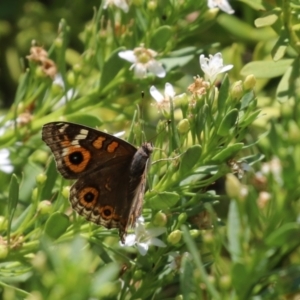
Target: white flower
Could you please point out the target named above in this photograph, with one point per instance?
(122, 4)
(5, 164)
(143, 237)
(142, 60)
(213, 66)
(163, 101)
(222, 4)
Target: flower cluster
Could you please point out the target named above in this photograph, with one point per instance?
(143, 60)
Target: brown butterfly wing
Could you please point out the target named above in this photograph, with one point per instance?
(79, 150)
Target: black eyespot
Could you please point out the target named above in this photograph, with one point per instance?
(107, 212)
(76, 158)
(89, 197)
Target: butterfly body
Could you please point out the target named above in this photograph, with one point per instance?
(110, 173)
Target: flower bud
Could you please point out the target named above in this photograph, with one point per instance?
(182, 218)
(183, 126)
(211, 14)
(41, 178)
(66, 192)
(225, 282)
(39, 72)
(138, 274)
(39, 156)
(44, 207)
(233, 186)
(77, 68)
(293, 132)
(249, 82)
(152, 5)
(58, 42)
(71, 78)
(194, 233)
(160, 219)
(174, 237)
(237, 90)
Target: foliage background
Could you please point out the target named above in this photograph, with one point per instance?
(227, 237)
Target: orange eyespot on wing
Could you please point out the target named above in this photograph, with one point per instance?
(88, 197)
(77, 158)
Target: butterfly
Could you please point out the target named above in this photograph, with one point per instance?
(110, 173)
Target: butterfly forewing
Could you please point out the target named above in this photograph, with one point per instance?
(79, 149)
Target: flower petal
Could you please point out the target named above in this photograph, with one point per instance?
(156, 68)
(140, 70)
(169, 90)
(156, 231)
(119, 134)
(122, 4)
(156, 94)
(128, 55)
(226, 68)
(129, 240)
(157, 242)
(222, 4)
(143, 248)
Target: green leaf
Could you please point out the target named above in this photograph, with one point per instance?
(51, 174)
(189, 160)
(266, 69)
(194, 252)
(163, 200)
(233, 232)
(56, 225)
(160, 37)
(228, 152)
(187, 284)
(283, 235)
(268, 19)
(13, 198)
(249, 119)
(247, 99)
(281, 45)
(240, 279)
(223, 94)
(284, 91)
(289, 82)
(228, 122)
(255, 4)
(85, 119)
(174, 62)
(183, 52)
(111, 67)
(252, 159)
(106, 274)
